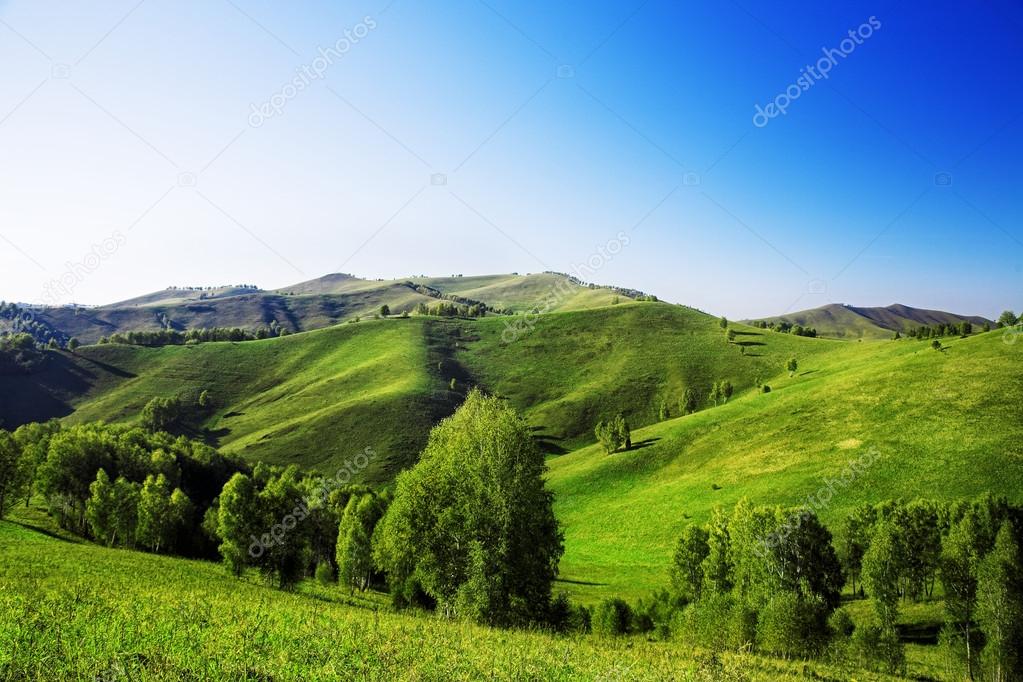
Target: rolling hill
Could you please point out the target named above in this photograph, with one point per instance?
(319, 303)
(840, 321)
(315, 398)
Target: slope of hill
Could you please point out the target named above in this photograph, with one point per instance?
(945, 424)
(840, 321)
(74, 610)
(317, 397)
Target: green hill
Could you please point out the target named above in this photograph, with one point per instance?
(945, 424)
(849, 322)
(317, 397)
(318, 303)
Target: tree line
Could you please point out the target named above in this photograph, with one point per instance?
(173, 337)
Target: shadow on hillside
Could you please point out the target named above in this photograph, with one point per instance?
(747, 333)
(45, 531)
(578, 582)
(747, 344)
(640, 444)
(116, 371)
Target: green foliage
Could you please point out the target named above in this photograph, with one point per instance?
(790, 625)
(611, 617)
(690, 401)
(385, 310)
(162, 414)
(238, 522)
(354, 540)
(614, 434)
(687, 567)
(324, 573)
(1000, 607)
(100, 509)
(935, 344)
(723, 322)
(14, 472)
(1007, 319)
(792, 366)
(881, 571)
(157, 523)
(472, 522)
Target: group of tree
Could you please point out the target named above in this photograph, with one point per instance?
(1009, 319)
(720, 392)
(896, 551)
(614, 434)
(177, 414)
(20, 354)
(445, 309)
(936, 331)
(174, 337)
(758, 578)
(15, 319)
(121, 485)
(784, 327)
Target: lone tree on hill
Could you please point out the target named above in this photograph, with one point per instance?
(792, 365)
(614, 434)
(385, 310)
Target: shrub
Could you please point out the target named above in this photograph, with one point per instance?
(324, 573)
(841, 624)
(791, 625)
(611, 617)
(701, 622)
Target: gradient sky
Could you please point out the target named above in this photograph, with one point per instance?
(480, 137)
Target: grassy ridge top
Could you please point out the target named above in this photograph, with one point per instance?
(946, 425)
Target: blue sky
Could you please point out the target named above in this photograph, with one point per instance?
(481, 137)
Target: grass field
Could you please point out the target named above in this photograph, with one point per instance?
(70, 610)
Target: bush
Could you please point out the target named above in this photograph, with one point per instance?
(765, 388)
(701, 622)
(324, 573)
(841, 624)
(791, 626)
(611, 617)
(568, 617)
(877, 648)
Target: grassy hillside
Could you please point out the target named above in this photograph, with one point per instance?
(570, 370)
(945, 424)
(72, 610)
(315, 398)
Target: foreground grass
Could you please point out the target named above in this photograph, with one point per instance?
(72, 610)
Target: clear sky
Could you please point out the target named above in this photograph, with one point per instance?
(202, 142)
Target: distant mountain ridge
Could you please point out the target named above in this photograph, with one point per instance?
(842, 321)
